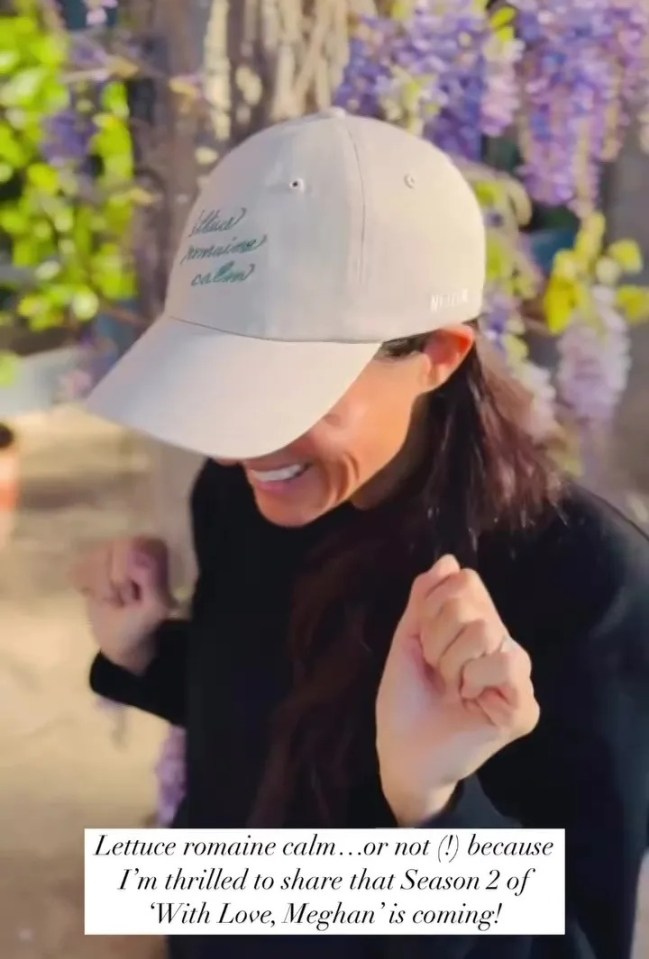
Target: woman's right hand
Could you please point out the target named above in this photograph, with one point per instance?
(126, 587)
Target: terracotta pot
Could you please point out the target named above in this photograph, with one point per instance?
(9, 482)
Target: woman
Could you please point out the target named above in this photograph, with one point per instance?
(403, 615)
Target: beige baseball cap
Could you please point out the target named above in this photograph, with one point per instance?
(311, 244)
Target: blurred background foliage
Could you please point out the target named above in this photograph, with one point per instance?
(66, 181)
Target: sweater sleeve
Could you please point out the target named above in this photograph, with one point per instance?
(160, 690)
(586, 767)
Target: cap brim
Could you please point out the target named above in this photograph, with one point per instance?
(225, 396)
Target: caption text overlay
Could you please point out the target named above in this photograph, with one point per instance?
(338, 881)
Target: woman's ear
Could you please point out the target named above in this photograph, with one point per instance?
(446, 349)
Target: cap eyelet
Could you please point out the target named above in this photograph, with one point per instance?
(409, 180)
(298, 185)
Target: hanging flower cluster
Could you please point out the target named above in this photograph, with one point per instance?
(591, 309)
(594, 363)
(570, 74)
(437, 68)
(584, 72)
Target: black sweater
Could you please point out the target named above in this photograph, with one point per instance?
(575, 595)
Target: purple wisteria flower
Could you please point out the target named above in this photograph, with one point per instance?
(170, 771)
(572, 78)
(442, 70)
(67, 134)
(594, 362)
(66, 139)
(584, 71)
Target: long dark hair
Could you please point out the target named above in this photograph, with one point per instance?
(482, 475)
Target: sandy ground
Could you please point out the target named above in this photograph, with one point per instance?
(65, 763)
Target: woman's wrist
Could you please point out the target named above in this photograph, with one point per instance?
(411, 811)
(135, 660)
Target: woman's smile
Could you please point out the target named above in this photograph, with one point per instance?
(278, 481)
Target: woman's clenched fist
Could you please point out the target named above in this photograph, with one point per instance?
(455, 690)
(126, 587)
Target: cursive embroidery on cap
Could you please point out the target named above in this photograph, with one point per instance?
(212, 221)
(228, 273)
(227, 249)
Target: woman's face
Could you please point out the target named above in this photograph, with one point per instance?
(364, 446)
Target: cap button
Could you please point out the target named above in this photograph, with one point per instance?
(335, 112)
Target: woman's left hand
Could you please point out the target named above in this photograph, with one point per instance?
(455, 690)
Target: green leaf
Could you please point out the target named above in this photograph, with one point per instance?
(47, 270)
(502, 18)
(8, 368)
(118, 213)
(23, 27)
(32, 304)
(18, 118)
(25, 252)
(607, 271)
(489, 195)
(114, 100)
(44, 177)
(64, 220)
(112, 273)
(113, 143)
(633, 301)
(105, 121)
(12, 150)
(32, 134)
(69, 183)
(51, 49)
(23, 87)
(82, 233)
(42, 230)
(559, 304)
(67, 247)
(48, 320)
(60, 294)
(401, 9)
(13, 221)
(54, 98)
(85, 304)
(8, 60)
(18, 32)
(627, 254)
